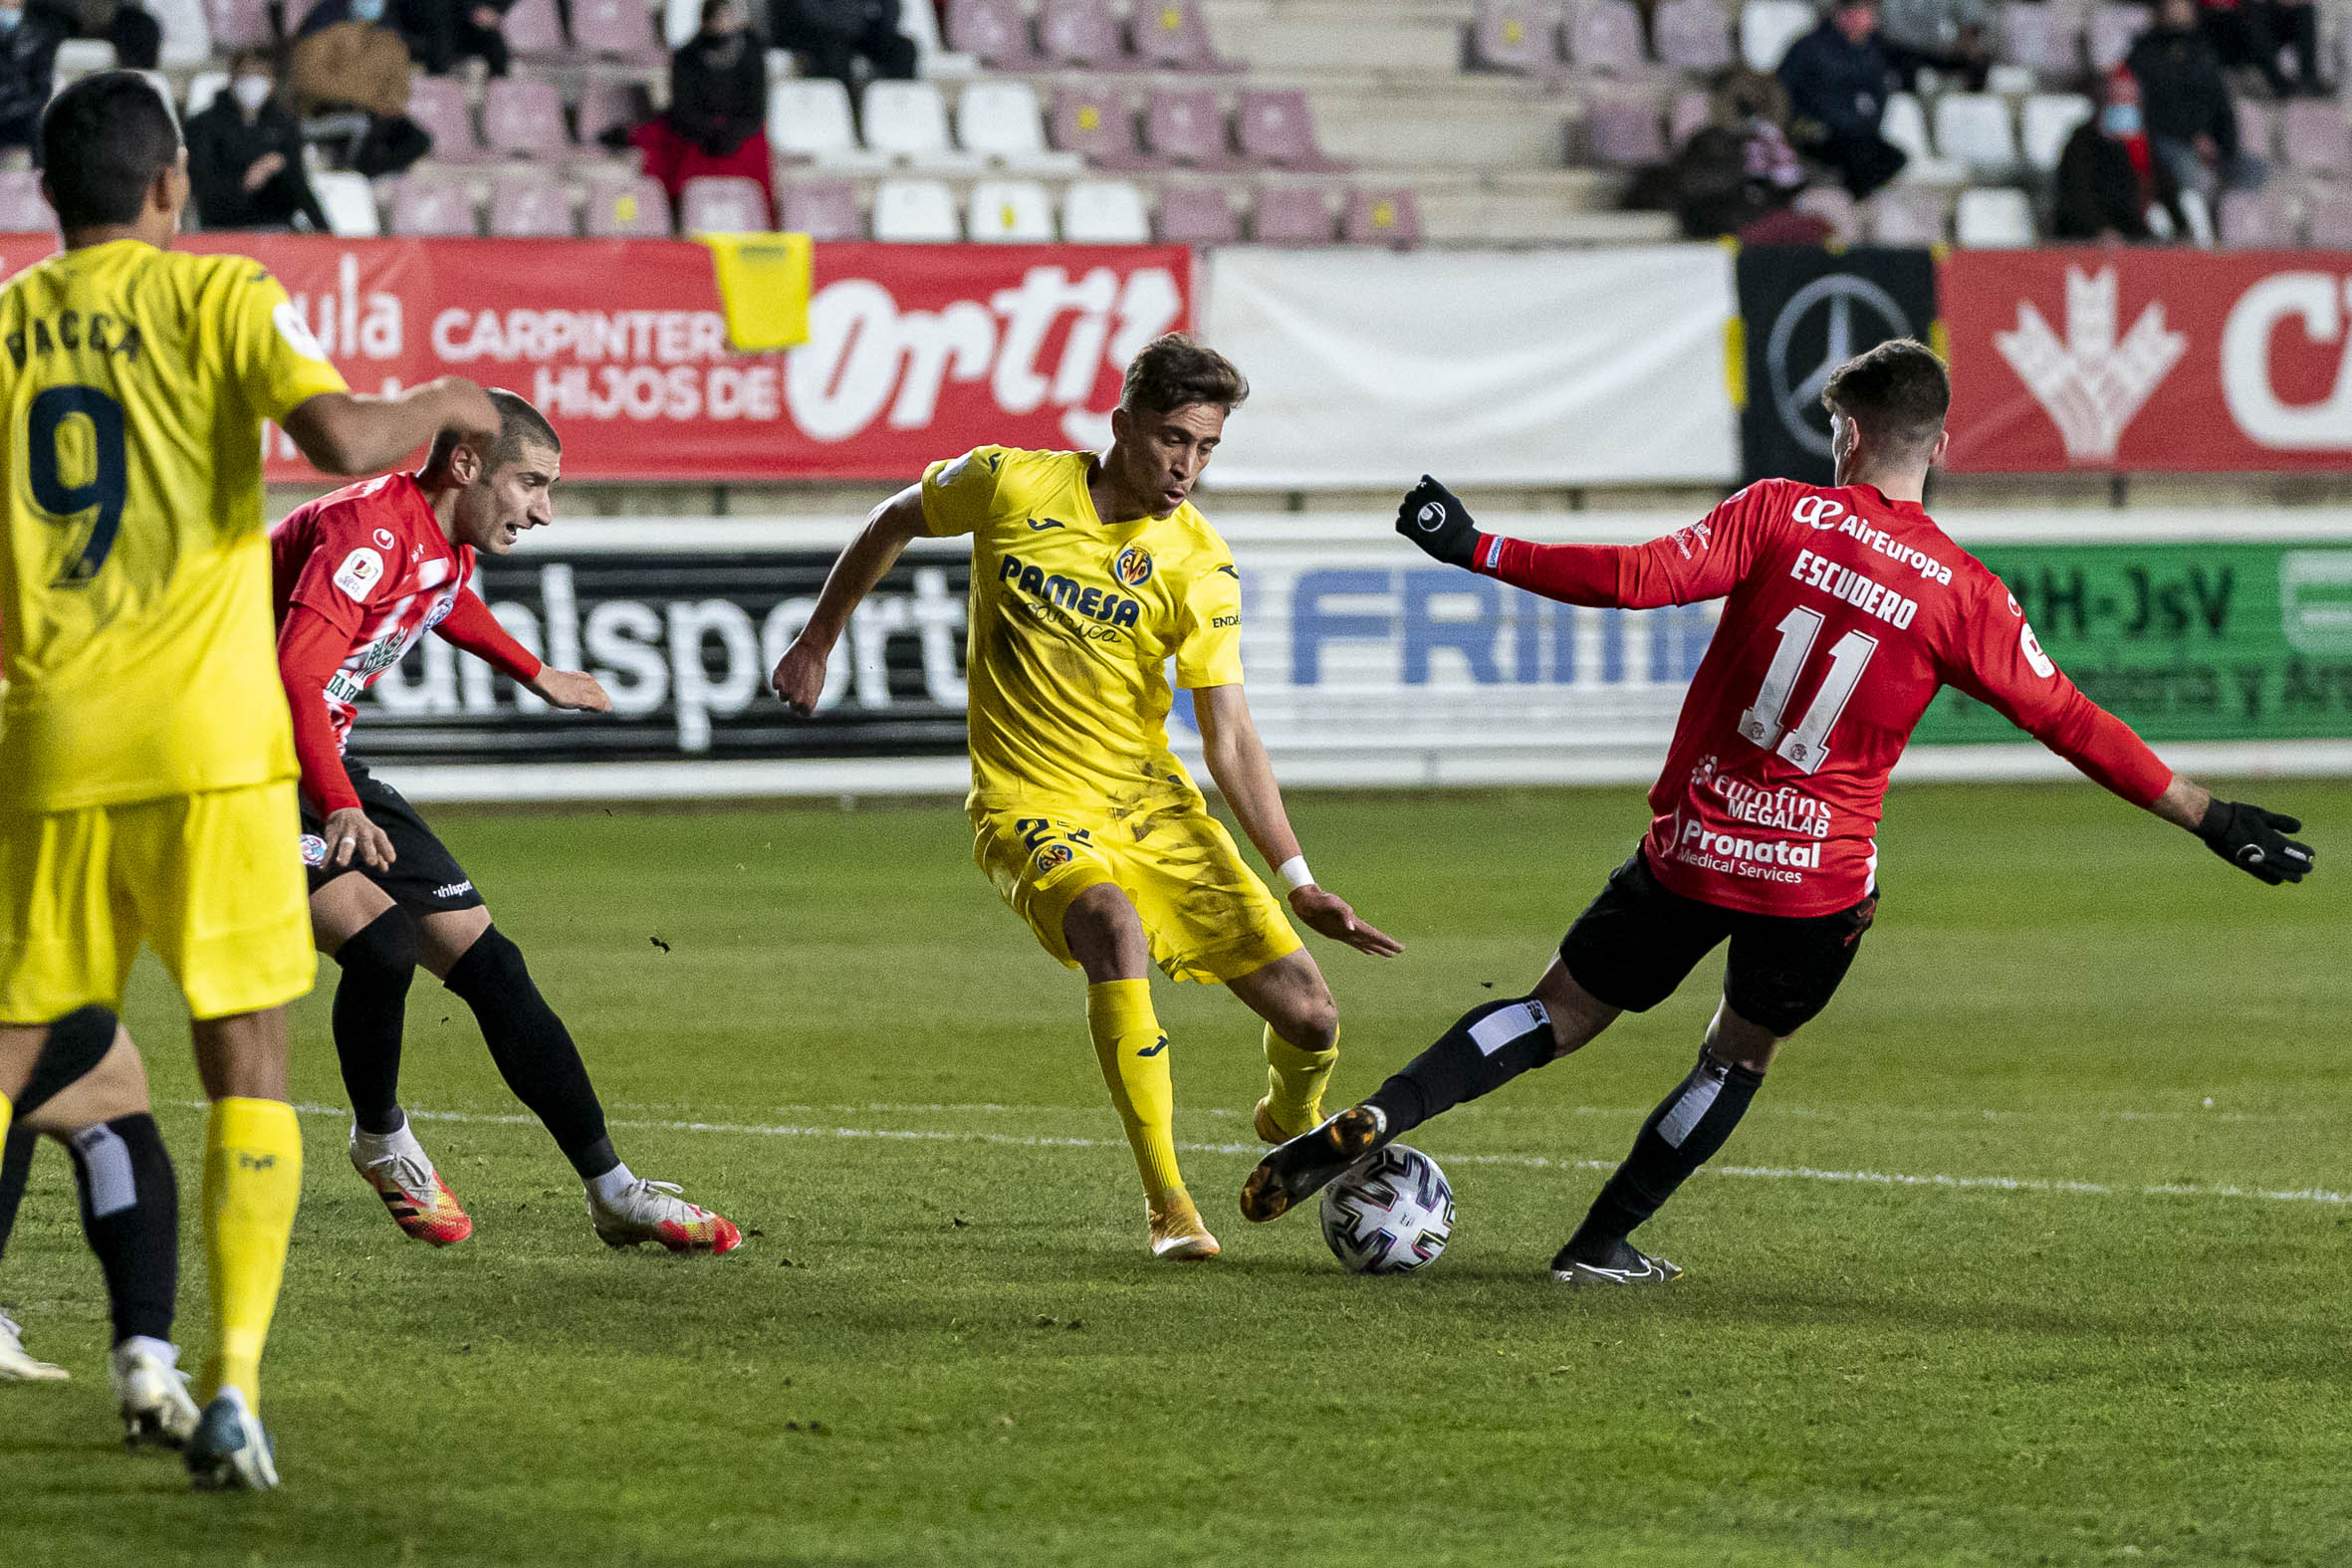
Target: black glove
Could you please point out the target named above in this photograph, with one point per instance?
(1433, 518)
(2256, 842)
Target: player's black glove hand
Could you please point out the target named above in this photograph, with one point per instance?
(2256, 842)
(1435, 519)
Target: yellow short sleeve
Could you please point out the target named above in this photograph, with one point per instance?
(960, 494)
(271, 355)
(1211, 623)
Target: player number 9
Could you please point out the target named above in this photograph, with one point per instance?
(108, 483)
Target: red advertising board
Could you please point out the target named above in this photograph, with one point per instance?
(2149, 360)
(915, 351)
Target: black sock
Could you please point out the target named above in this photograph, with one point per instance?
(16, 1169)
(534, 1050)
(1486, 1047)
(131, 1213)
(370, 1010)
(1681, 1135)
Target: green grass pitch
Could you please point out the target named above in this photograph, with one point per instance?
(944, 1343)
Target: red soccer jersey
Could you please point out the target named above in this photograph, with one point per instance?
(1846, 612)
(359, 576)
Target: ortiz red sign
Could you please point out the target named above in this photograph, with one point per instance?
(915, 351)
(2123, 359)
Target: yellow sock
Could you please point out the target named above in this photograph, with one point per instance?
(7, 1114)
(1296, 1079)
(1134, 1057)
(252, 1182)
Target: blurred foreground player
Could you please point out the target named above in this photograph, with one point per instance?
(147, 768)
(1090, 573)
(1848, 609)
(360, 575)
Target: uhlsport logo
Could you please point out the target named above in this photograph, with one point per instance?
(1052, 857)
(1134, 566)
(1432, 516)
(313, 850)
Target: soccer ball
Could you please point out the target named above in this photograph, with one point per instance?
(1390, 1214)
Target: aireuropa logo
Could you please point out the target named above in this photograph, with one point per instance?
(1817, 511)
(2092, 383)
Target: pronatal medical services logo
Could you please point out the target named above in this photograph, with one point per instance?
(2093, 382)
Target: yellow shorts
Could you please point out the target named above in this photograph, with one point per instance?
(1207, 915)
(209, 881)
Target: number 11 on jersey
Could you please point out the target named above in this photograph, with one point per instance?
(1807, 744)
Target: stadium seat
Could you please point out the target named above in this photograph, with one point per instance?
(1997, 217)
(1105, 212)
(80, 56)
(1693, 34)
(1832, 206)
(809, 120)
(2259, 220)
(934, 60)
(823, 209)
(1198, 215)
(1173, 35)
(2257, 130)
(439, 106)
(1011, 212)
(1291, 215)
(1625, 133)
(1691, 112)
(349, 204)
(680, 21)
(1973, 129)
(1906, 125)
(618, 29)
(2327, 216)
(233, 24)
(524, 118)
(2113, 26)
(530, 205)
(1096, 123)
(1515, 35)
(993, 32)
(2047, 122)
(1000, 121)
(203, 88)
(909, 120)
(1381, 217)
(426, 207)
(1083, 32)
(627, 209)
(1183, 125)
(534, 31)
(722, 205)
(187, 36)
(606, 102)
(2041, 38)
(23, 209)
(1908, 215)
(916, 211)
(1768, 26)
(1605, 35)
(1273, 127)
(2314, 137)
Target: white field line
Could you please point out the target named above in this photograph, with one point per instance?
(1530, 1162)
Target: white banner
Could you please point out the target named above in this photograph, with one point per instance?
(1575, 367)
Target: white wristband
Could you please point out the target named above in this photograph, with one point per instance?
(1295, 872)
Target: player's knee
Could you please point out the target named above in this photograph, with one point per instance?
(383, 950)
(491, 966)
(1313, 1022)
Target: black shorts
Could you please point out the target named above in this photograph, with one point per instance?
(425, 876)
(1639, 940)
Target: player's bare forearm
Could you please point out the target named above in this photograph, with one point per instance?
(799, 677)
(352, 433)
(2183, 804)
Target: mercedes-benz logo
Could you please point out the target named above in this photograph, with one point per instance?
(1823, 311)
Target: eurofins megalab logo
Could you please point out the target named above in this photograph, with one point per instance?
(1134, 566)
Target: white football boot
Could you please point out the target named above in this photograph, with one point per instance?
(17, 1365)
(230, 1452)
(152, 1394)
(653, 1212)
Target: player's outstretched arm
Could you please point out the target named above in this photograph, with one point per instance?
(470, 626)
(799, 679)
(350, 433)
(2247, 837)
(1238, 761)
(1702, 562)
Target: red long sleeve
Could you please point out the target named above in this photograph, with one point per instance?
(470, 626)
(309, 650)
(1702, 562)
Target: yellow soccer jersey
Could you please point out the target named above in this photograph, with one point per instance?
(1073, 621)
(134, 589)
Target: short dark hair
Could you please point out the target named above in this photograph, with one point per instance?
(1173, 371)
(102, 143)
(1898, 391)
(711, 8)
(519, 425)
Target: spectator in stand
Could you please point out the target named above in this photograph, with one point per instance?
(1946, 36)
(2250, 33)
(2192, 125)
(1738, 170)
(830, 36)
(245, 155)
(438, 32)
(1836, 76)
(715, 123)
(29, 35)
(2109, 176)
(359, 64)
(137, 37)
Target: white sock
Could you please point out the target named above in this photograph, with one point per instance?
(399, 1142)
(162, 1350)
(609, 1188)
